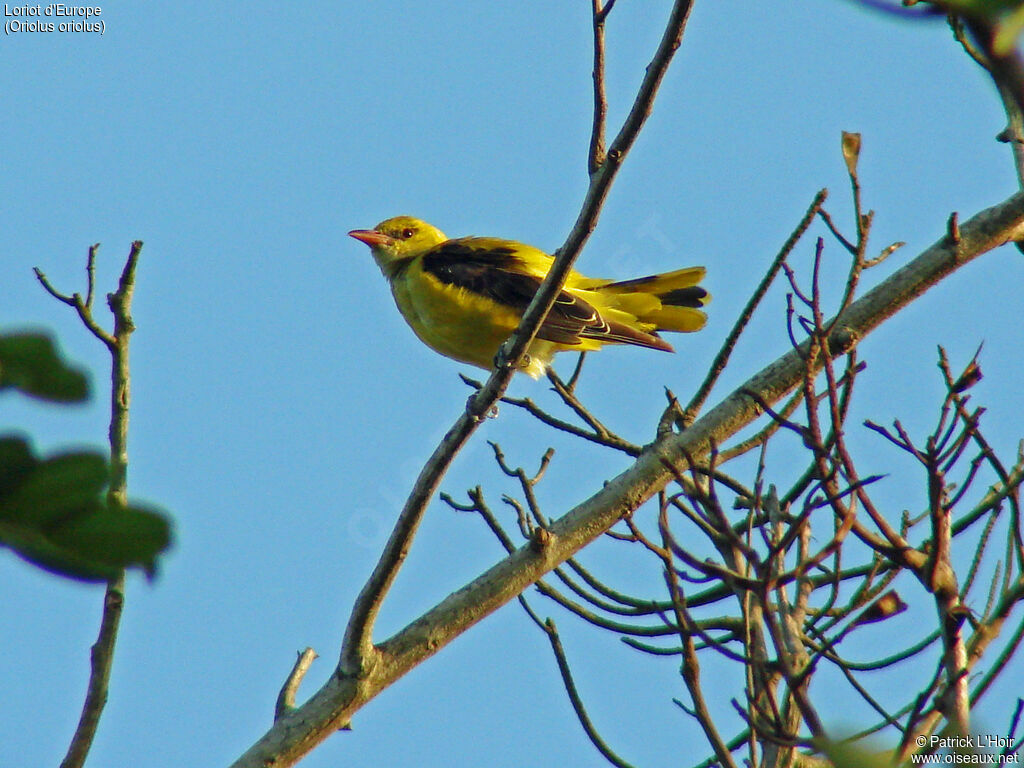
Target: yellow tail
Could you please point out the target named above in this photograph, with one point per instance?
(670, 301)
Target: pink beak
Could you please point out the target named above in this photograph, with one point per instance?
(371, 237)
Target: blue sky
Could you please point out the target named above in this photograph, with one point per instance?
(281, 406)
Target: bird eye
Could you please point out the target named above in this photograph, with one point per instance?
(408, 232)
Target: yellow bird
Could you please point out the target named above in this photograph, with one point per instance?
(464, 297)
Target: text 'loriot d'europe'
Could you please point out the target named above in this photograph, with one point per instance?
(53, 9)
(68, 18)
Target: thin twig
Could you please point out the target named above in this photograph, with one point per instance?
(286, 698)
(574, 403)
(690, 668)
(334, 704)
(102, 652)
(597, 153)
(574, 697)
(83, 308)
(722, 358)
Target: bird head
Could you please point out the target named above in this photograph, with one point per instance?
(398, 239)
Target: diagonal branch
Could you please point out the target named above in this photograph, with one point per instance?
(597, 149)
(358, 654)
(335, 703)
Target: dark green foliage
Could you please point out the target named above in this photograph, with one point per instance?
(55, 513)
(30, 362)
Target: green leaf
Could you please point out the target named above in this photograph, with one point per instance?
(56, 488)
(843, 754)
(55, 513)
(94, 545)
(988, 9)
(33, 545)
(16, 461)
(30, 362)
(1008, 30)
(117, 537)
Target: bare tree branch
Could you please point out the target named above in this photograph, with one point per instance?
(102, 652)
(333, 705)
(722, 358)
(577, 703)
(286, 698)
(358, 655)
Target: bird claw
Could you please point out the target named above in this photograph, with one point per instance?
(492, 412)
(469, 407)
(502, 361)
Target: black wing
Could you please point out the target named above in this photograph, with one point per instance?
(492, 269)
(496, 272)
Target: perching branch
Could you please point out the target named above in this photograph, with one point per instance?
(334, 704)
(358, 654)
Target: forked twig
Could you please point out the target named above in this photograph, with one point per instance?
(102, 655)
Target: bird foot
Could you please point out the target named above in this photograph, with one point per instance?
(492, 412)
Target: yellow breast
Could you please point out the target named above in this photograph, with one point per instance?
(459, 324)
